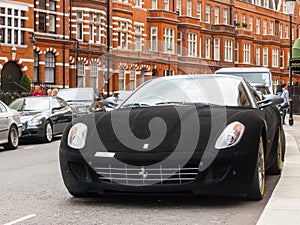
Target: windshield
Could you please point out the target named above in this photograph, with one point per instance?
(253, 77)
(31, 104)
(76, 94)
(223, 91)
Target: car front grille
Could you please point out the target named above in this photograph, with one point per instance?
(147, 176)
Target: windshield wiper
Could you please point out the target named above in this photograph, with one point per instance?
(173, 103)
(135, 105)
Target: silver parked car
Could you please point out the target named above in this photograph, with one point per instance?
(10, 127)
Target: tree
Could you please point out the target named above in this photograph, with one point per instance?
(25, 82)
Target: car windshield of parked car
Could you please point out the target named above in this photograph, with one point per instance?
(222, 90)
(76, 94)
(31, 104)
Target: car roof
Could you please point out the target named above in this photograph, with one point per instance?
(243, 69)
(199, 76)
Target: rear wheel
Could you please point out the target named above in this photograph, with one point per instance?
(257, 189)
(277, 149)
(48, 132)
(13, 138)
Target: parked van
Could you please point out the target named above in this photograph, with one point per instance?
(256, 76)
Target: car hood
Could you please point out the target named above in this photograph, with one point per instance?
(28, 115)
(159, 131)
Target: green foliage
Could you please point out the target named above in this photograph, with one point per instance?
(8, 97)
(25, 82)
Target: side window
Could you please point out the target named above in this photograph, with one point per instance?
(243, 98)
(62, 103)
(2, 108)
(254, 93)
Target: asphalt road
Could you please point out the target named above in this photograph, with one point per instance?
(32, 192)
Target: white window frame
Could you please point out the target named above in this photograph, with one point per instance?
(154, 39)
(138, 37)
(179, 43)
(207, 48)
(257, 56)
(168, 39)
(154, 4)
(178, 7)
(275, 57)
(217, 15)
(207, 13)
(199, 11)
(192, 44)
(265, 57)
(132, 79)
(271, 28)
(122, 79)
(225, 16)
(189, 8)
(257, 26)
(251, 23)
(236, 52)
(80, 74)
(94, 75)
(265, 25)
(166, 5)
(246, 51)
(228, 50)
(217, 49)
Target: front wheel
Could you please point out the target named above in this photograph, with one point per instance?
(13, 139)
(257, 188)
(48, 136)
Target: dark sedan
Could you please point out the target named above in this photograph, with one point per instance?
(202, 134)
(43, 117)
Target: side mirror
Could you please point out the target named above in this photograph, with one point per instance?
(270, 100)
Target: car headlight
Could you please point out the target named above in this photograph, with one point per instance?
(35, 122)
(230, 136)
(77, 136)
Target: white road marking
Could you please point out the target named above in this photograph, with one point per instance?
(21, 219)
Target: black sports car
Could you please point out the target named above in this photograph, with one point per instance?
(203, 134)
(43, 117)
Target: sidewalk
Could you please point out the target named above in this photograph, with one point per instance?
(284, 205)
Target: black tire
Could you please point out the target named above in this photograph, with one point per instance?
(48, 133)
(13, 138)
(257, 188)
(277, 148)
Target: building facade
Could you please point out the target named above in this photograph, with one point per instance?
(118, 44)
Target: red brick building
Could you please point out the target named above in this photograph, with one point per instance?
(63, 43)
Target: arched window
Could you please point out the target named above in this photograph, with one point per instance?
(142, 76)
(122, 79)
(132, 79)
(36, 67)
(94, 75)
(80, 74)
(50, 68)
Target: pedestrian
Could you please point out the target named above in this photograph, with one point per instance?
(286, 102)
(54, 92)
(38, 91)
(49, 92)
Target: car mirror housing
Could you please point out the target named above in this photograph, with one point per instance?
(270, 100)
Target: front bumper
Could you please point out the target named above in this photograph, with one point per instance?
(230, 173)
(33, 131)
